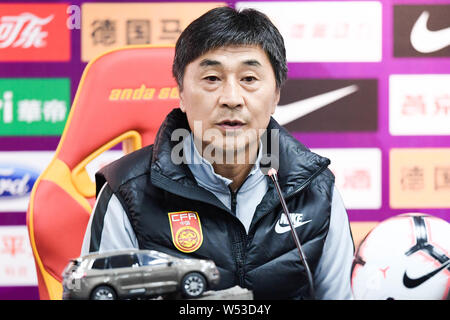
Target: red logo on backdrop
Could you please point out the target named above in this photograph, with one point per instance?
(34, 32)
(13, 245)
(358, 179)
(186, 230)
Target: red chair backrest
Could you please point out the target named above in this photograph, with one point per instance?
(123, 97)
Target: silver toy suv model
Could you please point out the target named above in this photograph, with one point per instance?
(136, 273)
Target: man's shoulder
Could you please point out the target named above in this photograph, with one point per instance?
(126, 168)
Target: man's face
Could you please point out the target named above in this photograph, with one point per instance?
(229, 93)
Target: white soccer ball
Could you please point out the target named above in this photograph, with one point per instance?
(404, 257)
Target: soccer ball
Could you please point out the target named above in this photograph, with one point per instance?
(404, 257)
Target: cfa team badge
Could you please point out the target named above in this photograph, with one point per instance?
(186, 230)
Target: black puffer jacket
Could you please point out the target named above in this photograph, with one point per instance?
(150, 186)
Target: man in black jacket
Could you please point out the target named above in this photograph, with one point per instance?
(206, 195)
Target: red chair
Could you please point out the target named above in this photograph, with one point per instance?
(123, 97)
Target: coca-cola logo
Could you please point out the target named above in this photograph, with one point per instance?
(16, 181)
(23, 31)
(35, 32)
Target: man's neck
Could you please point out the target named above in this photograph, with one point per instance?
(235, 172)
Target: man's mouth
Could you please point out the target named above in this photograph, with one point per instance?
(231, 124)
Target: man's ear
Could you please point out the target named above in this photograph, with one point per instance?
(182, 107)
(276, 101)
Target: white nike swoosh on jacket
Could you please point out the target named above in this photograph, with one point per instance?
(426, 41)
(282, 229)
(295, 110)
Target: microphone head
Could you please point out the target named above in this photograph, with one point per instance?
(272, 172)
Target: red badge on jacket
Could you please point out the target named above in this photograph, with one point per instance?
(186, 230)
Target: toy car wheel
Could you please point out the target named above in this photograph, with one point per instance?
(103, 293)
(193, 285)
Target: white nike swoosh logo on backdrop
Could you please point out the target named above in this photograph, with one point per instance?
(295, 110)
(426, 41)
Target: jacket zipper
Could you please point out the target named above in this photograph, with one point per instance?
(233, 202)
(239, 241)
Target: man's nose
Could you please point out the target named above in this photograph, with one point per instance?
(231, 95)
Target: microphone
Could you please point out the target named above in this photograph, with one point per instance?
(273, 175)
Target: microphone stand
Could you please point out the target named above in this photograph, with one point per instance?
(273, 174)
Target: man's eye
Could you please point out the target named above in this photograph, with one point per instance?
(211, 78)
(249, 79)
